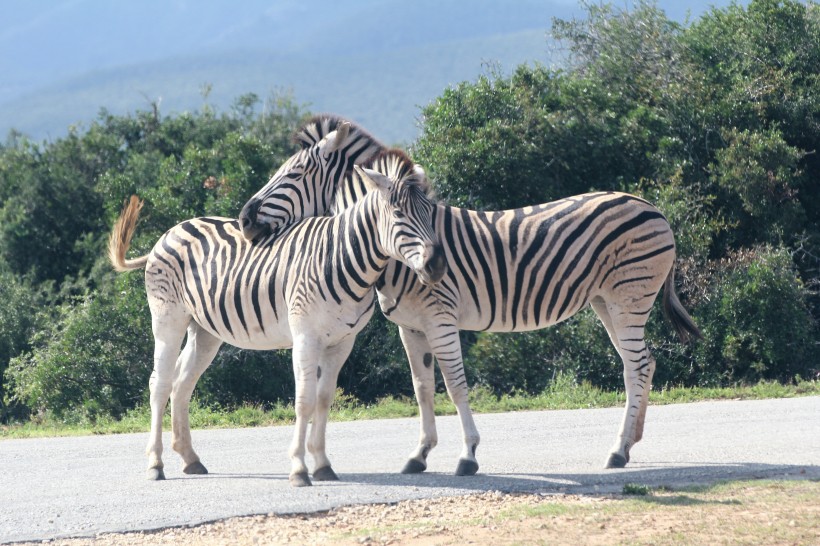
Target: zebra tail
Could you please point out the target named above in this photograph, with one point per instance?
(120, 239)
(686, 328)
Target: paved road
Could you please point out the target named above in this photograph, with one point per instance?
(82, 486)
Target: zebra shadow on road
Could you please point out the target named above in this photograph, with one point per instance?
(655, 475)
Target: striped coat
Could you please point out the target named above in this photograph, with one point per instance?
(308, 286)
(525, 269)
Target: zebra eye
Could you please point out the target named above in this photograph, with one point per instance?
(398, 214)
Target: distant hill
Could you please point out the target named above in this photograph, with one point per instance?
(375, 61)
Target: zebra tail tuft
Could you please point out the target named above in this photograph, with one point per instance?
(121, 235)
(687, 330)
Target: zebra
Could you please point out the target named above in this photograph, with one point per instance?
(307, 285)
(526, 269)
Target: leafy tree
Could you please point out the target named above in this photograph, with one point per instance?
(48, 195)
(94, 360)
(18, 321)
(715, 123)
(57, 200)
(756, 320)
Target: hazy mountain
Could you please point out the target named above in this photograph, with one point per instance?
(375, 61)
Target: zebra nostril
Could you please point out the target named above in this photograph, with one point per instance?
(245, 222)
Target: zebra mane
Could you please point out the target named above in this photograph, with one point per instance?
(321, 125)
(396, 165)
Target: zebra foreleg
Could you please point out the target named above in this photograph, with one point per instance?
(331, 362)
(200, 349)
(168, 333)
(446, 344)
(305, 365)
(420, 357)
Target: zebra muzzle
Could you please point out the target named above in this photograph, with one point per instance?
(434, 267)
(251, 228)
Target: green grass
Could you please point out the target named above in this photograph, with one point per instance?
(562, 394)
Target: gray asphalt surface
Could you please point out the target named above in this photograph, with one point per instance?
(64, 487)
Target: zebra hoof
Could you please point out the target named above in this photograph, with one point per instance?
(325, 474)
(466, 467)
(616, 461)
(300, 479)
(155, 474)
(414, 466)
(195, 468)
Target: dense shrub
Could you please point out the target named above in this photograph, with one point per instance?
(378, 365)
(19, 320)
(95, 359)
(715, 122)
(529, 361)
(755, 320)
(238, 377)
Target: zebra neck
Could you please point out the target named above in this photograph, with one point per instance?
(359, 254)
(350, 190)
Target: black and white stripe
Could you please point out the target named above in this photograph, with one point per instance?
(308, 286)
(530, 268)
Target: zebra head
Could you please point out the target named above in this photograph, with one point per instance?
(304, 184)
(405, 218)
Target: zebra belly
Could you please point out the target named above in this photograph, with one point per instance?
(275, 334)
(326, 324)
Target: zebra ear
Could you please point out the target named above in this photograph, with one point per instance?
(374, 180)
(337, 138)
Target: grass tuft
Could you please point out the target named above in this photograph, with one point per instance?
(637, 489)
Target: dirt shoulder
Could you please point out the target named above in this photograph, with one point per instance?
(763, 512)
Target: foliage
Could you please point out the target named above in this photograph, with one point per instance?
(760, 174)
(18, 323)
(236, 377)
(530, 361)
(377, 366)
(94, 359)
(715, 122)
(756, 321)
(92, 355)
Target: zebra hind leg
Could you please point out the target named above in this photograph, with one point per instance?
(626, 331)
(169, 329)
(422, 367)
(446, 344)
(200, 349)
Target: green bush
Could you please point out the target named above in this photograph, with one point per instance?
(529, 361)
(759, 176)
(18, 321)
(237, 377)
(378, 366)
(94, 360)
(756, 321)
